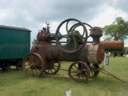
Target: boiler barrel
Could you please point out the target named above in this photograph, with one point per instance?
(95, 54)
(112, 45)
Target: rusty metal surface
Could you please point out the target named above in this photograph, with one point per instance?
(112, 44)
(50, 55)
(96, 33)
(95, 53)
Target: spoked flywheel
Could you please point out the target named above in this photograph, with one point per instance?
(71, 35)
(52, 68)
(32, 64)
(79, 71)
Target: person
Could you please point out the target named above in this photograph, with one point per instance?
(106, 58)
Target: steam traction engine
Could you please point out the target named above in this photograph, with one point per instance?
(70, 42)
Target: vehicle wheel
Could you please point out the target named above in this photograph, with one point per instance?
(79, 71)
(32, 65)
(19, 65)
(4, 66)
(94, 70)
(53, 68)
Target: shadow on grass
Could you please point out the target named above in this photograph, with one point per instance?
(101, 82)
(11, 77)
(16, 77)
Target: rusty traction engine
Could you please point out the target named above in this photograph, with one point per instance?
(70, 42)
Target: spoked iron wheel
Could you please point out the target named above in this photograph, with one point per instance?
(32, 65)
(53, 68)
(79, 71)
(94, 70)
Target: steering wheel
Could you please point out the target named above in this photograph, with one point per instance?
(71, 35)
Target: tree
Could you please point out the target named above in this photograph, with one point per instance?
(118, 29)
(35, 42)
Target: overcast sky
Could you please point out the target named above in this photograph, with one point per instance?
(33, 13)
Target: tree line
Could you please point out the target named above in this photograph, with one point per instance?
(117, 30)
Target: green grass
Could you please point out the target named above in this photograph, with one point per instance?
(16, 83)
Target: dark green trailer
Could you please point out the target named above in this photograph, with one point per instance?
(14, 44)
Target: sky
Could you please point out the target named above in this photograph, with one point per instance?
(33, 14)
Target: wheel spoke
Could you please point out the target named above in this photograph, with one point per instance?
(81, 73)
(31, 65)
(55, 68)
(71, 27)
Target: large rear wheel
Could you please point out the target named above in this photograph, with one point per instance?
(94, 70)
(79, 71)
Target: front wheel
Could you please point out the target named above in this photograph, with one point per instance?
(32, 65)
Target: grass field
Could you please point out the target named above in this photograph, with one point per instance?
(16, 83)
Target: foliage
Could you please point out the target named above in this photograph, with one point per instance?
(35, 41)
(118, 29)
